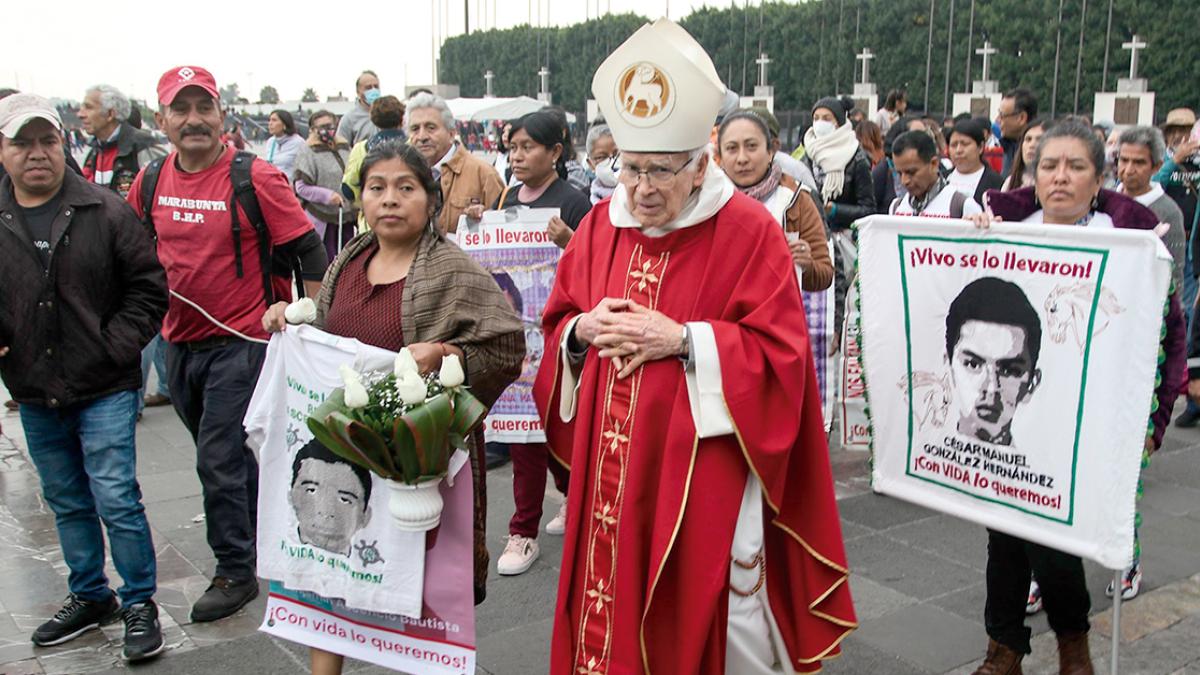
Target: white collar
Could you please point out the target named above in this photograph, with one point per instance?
(1156, 191)
(714, 193)
(449, 154)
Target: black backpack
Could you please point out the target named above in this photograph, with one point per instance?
(244, 195)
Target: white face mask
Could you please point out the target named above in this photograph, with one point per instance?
(823, 128)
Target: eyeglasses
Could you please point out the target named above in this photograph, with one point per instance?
(658, 176)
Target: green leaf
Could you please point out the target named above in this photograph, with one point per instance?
(429, 425)
(468, 412)
(370, 443)
(404, 448)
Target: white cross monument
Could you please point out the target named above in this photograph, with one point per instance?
(984, 97)
(488, 77)
(764, 94)
(866, 97)
(544, 85)
(1132, 102)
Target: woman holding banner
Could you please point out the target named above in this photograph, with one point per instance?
(1068, 170)
(403, 285)
(745, 153)
(537, 157)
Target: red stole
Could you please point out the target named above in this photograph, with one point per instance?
(651, 507)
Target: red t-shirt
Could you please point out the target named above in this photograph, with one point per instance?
(195, 244)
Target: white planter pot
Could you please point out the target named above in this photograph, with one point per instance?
(415, 508)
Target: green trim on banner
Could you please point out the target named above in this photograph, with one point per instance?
(1103, 253)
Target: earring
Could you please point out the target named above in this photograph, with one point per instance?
(1095, 201)
(1037, 203)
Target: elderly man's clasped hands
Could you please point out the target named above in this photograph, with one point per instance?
(630, 334)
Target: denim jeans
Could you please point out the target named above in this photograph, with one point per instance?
(84, 454)
(211, 390)
(154, 356)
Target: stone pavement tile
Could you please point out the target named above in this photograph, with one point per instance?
(966, 602)
(175, 597)
(904, 569)
(946, 536)
(191, 542)
(517, 601)
(12, 651)
(521, 649)
(155, 456)
(873, 600)
(1170, 550)
(172, 565)
(26, 667)
(177, 514)
(854, 530)
(926, 637)
(257, 654)
(1169, 498)
(859, 657)
(1154, 611)
(29, 583)
(1179, 467)
(879, 512)
(168, 485)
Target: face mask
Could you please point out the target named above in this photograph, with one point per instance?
(371, 95)
(823, 128)
(326, 135)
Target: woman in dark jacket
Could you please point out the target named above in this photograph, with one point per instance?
(971, 175)
(842, 169)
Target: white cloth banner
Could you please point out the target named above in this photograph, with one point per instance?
(1011, 371)
(319, 528)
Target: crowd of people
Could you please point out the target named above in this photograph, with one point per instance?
(180, 259)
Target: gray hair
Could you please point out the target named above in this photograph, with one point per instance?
(1149, 137)
(594, 134)
(425, 100)
(1078, 131)
(112, 99)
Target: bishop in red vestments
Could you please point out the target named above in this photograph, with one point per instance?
(678, 386)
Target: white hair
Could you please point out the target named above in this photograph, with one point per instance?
(425, 100)
(112, 99)
(594, 134)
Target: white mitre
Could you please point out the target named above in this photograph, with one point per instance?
(659, 91)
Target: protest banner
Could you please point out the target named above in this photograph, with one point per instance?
(343, 577)
(1010, 373)
(852, 390)
(514, 247)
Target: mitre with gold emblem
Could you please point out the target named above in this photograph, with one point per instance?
(659, 91)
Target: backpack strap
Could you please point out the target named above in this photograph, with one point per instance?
(957, 201)
(245, 197)
(149, 184)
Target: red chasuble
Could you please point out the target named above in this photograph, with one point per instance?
(652, 507)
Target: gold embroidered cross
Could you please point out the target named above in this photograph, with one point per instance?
(644, 275)
(604, 515)
(599, 595)
(616, 437)
(590, 668)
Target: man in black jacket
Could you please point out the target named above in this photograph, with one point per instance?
(83, 293)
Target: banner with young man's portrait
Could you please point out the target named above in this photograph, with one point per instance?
(1010, 373)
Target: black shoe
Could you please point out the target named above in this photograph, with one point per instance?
(223, 598)
(496, 458)
(143, 633)
(75, 618)
(1188, 418)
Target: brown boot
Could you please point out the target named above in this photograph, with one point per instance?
(1074, 658)
(1000, 661)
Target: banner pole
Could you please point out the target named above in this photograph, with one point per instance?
(341, 231)
(1118, 588)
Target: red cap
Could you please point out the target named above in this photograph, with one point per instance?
(174, 80)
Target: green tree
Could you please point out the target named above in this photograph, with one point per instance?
(268, 95)
(310, 96)
(230, 93)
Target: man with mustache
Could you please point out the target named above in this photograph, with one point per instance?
(468, 183)
(213, 254)
(993, 337)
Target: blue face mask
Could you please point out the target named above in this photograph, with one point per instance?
(371, 95)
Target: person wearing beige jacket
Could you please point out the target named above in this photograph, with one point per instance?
(468, 183)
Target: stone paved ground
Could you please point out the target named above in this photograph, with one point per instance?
(918, 578)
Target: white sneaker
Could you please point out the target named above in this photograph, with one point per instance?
(1131, 584)
(558, 524)
(519, 554)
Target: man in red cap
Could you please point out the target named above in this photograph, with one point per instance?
(212, 250)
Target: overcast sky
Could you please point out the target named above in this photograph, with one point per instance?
(59, 49)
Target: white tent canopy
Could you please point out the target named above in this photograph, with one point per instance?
(486, 109)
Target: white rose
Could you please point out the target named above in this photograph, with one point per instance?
(303, 310)
(356, 394)
(451, 374)
(405, 363)
(411, 388)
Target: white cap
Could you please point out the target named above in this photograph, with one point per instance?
(659, 91)
(17, 110)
